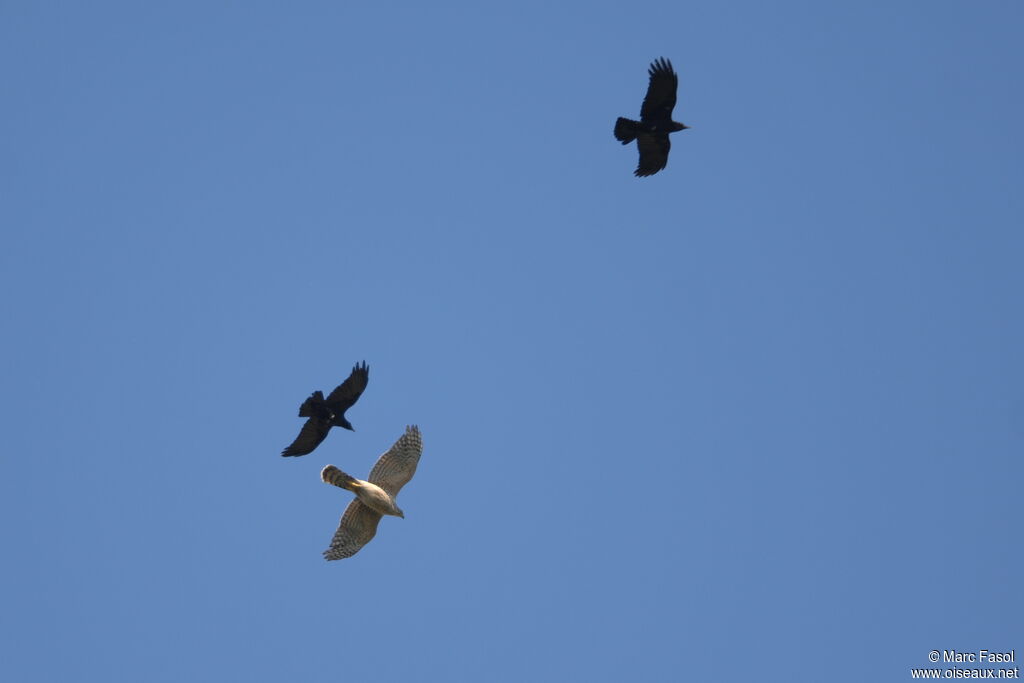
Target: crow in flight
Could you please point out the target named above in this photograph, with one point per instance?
(651, 131)
(330, 412)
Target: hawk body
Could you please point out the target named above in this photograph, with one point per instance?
(368, 494)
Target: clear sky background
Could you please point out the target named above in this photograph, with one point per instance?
(758, 417)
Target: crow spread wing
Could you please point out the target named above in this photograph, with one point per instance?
(661, 92)
(348, 392)
(654, 149)
(312, 433)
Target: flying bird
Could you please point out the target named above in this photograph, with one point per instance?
(651, 131)
(375, 497)
(324, 413)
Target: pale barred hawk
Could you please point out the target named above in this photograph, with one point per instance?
(375, 497)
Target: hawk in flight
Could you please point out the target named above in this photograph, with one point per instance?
(324, 413)
(374, 497)
(651, 131)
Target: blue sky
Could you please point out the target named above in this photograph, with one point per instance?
(758, 417)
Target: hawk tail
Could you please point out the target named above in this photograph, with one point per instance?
(315, 399)
(626, 130)
(332, 475)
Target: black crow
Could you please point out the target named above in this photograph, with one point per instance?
(651, 131)
(330, 412)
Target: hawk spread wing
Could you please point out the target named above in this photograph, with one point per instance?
(348, 392)
(661, 92)
(395, 467)
(358, 526)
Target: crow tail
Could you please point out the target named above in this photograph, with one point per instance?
(626, 130)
